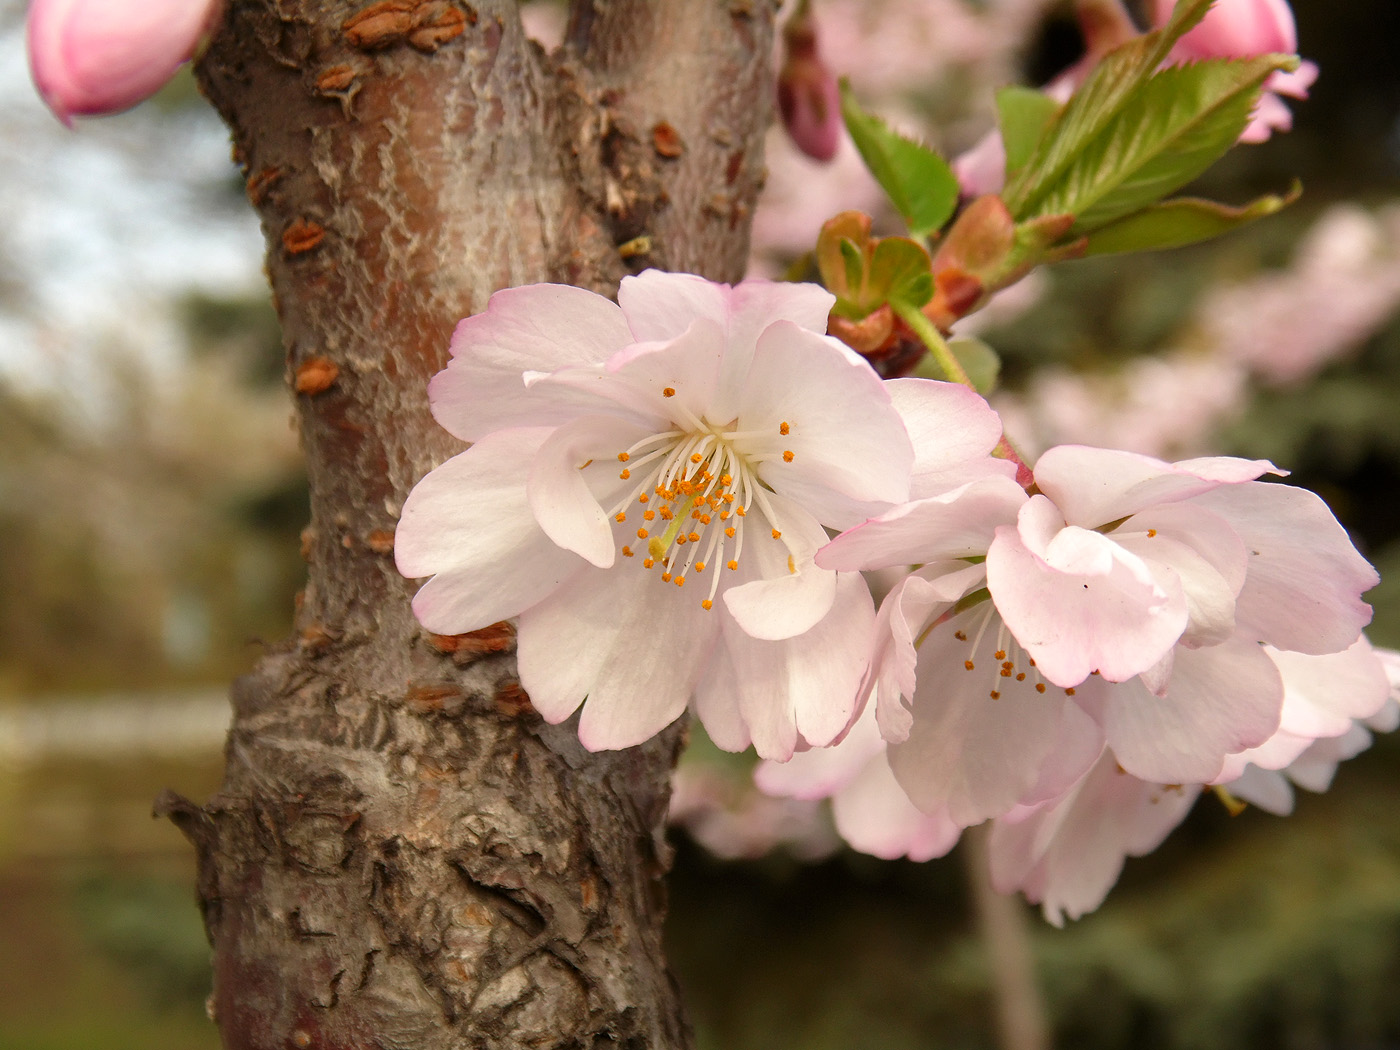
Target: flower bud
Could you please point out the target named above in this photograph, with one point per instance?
(808, 97)
(103, 56)
(1237, 29)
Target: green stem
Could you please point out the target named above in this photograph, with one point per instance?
(952, 368)
(932, 338)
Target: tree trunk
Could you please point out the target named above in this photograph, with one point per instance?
(403, 855)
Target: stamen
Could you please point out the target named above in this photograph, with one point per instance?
(784, 429)
(707, 605)
(787, 456)
(626, 552)
(669, 391)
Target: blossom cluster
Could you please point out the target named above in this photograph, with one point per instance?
(685, 496)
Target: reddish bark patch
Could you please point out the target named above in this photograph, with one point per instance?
(381, 541)
(259, 184)
(301, 236)
(511, 700)
(380, 25)
(315, 376)
(497, 638)
(335, 79)
(666, 140)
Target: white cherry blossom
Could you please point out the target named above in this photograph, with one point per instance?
(648, 485)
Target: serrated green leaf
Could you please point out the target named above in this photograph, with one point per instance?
(1179, 123)
(919, 182)
(1023, 114)
(1186, 220)
(1094, 104)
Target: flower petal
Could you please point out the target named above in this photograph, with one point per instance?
(974, 754)
(561, 496)
(875, 816)
(903, 615)
(803, 689)
(660, 306)
(1068, 855)
(842, 428)
(1094, 486)
(787, 593)
(956, 524)
(602, 636)
(1078, 601)
(1221, 699)
(538, 328)
(951, 427)
(1305, 579)
(468, 522)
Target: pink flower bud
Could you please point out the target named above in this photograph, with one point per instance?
(1237, 29)
(103, 56)
(808, 98)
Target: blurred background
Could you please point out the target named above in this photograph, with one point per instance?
(151, 496)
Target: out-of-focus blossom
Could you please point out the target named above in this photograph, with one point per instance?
(734, 820)
(808, 98)
(647, 488)
(1240, 29)
(103, 56)
(1343, 282)
(1164, 406)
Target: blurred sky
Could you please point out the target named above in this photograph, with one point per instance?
(104, 226)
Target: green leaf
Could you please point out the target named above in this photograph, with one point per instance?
(1023, 114)
(1179, 123)
(981, 363)
(1183, 221)
(919, 182)
(1094, 104)
(900, 273)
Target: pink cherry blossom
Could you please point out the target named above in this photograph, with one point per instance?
(648, 485)
(1125, 601)
(103, 56)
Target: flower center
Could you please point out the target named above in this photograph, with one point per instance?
(998, 658)
(695, 490)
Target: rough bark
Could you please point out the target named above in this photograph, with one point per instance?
(402, 853)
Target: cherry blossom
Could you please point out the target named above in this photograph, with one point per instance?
(648, 485)
(103, 56)
(1124, 602)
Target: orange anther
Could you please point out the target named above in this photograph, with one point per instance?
(784, 429)
(733, 564)
(787, 456)
(670, 391)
